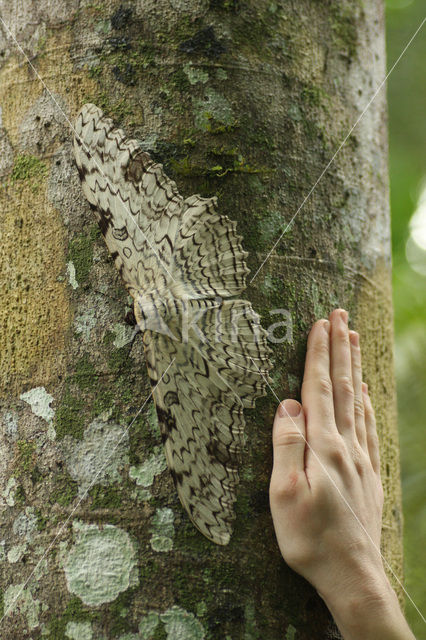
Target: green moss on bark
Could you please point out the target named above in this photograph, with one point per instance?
(26, 457)
(29, 168)
(106, 497)
(65, 489)
(80, 252)
(85, 376)
(69, 418)
(74, 612)
(252, 125)
(344, 28)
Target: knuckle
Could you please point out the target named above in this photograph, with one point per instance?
(337, 454)
(300, 556)
(346, 420)
(325, 386)
(284, 489)
(288, 438)
(318, 323)
(356, 366)
(356, 360)
(318, 348)
(367, 407)
(369, 413)
(361, 460)
(341, 333)
(358, 407)
(355, 348)
(345, 386)
(318, 384)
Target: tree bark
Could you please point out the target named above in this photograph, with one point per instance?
(249, 101)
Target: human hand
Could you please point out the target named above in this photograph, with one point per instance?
(325, 492)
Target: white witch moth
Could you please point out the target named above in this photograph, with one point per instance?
(206, 352)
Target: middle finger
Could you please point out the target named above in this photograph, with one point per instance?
(341, 373)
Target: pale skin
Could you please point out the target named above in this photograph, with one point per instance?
(325, 493)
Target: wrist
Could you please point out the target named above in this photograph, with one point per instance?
(369, 611)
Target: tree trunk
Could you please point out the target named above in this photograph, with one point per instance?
(248, 101)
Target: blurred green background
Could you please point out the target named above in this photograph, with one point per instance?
(407, 148)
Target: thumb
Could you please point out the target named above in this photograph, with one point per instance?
(289, 438)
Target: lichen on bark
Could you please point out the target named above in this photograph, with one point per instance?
(245, 101)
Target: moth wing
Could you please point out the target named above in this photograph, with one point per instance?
(208, 257)
(137, 206)
(200, 389)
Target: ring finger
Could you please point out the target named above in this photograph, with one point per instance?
(357, 384)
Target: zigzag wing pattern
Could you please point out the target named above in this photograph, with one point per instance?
(209, 257)
(219, 368)
(138, 208)
(206, 354)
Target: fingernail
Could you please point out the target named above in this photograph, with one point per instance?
(365, 387)
(326, 326)
(354, 338)
(344, 316)
(289, 408)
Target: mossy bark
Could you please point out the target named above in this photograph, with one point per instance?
(248, 101)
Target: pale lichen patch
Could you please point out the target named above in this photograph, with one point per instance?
(101, 564)
(123, 335)
(25, 524)
(212, 106)
(84, 323)
(145, 473)
(163, 530)
(42, 567)
(103, 26)
(290, 634)
(195, 74)
(18, 599)
(39, 401)
(71, 274)
(10, 491)
(141, 494)
(182, 625)
(16, 552)
(10, 421)
(98, 457)
(149, 143)
(93, 311)
(148, 624)
(63, 549)
(79, 631)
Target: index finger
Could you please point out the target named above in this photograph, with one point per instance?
(317, 389)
